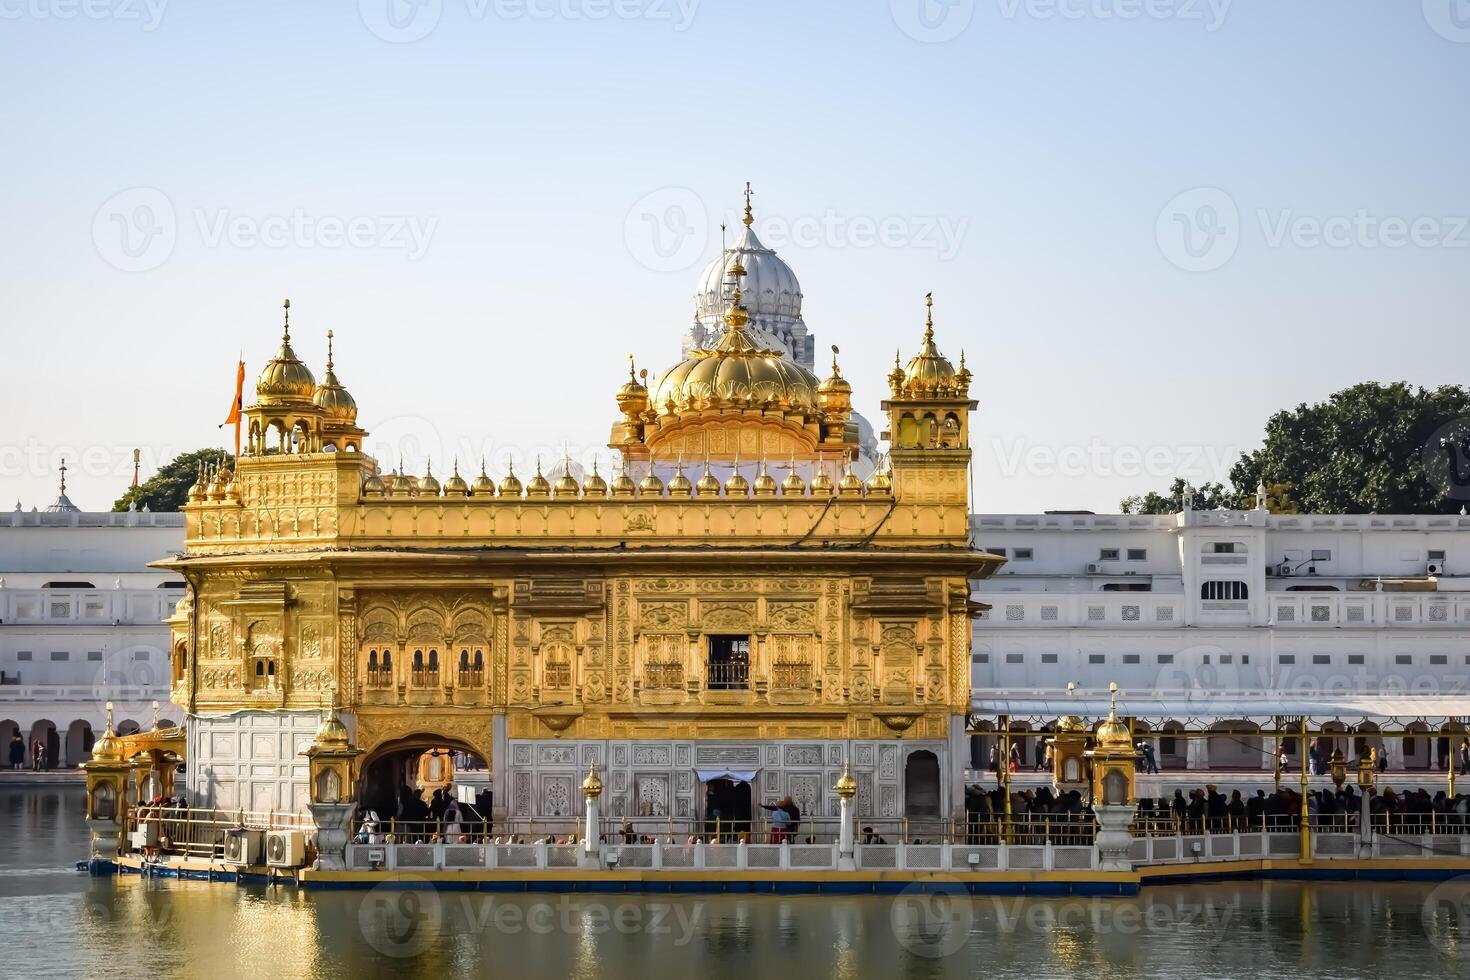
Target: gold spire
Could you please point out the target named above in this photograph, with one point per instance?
(928, 320)
(286, 330)
(136, 454)
(329, 350)
(63, 476)
(749, 218)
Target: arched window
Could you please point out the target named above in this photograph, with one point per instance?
(464, 660)
(372, 660)
(418, 660)
(433, 659)
(387, 660)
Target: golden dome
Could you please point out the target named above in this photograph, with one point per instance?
(332, 732)
(622, 485)
(400, 485)
(373, 486)
(651, 485)
(679, 485)
(765, 483)
(511, 485)
(483, 485)
(284, 379)
(707, 486)
(538, 487)
(428, 486)
(793, 485)
(1071, 723)
(592, 785)
(633, 395)
(594, 485)
(1113, 734)
(834, 395)
(737, 374)
(821, 483)
(455, 485)
(928, 372)
(881, 481)
(849, 485)
(566, 484)
(108, 748)
(737, 485)
(336, 403)
(846, 786)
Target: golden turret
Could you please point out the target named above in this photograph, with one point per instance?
(708, 485)
(428, 486)
(737, 485)
(566, 484)
(679, 485)
(793, 485)
(285, 380)
(483, 485)
(455, 485)
(335, 402)
(511, 485)
(594, 485)
(538, 487)
(765, 483)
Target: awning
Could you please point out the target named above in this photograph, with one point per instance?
(738, 775)
(1198, 710)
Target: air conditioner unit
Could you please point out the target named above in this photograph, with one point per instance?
(285, 849)
(1285, 571)
(1436, 568)
(242, 847)
(1094, 568)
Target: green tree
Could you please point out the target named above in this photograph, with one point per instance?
(1371, 448)
(1207, 496)
(168, 489)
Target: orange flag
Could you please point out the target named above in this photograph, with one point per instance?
(234, 417)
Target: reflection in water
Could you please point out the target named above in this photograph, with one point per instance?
(59, 923)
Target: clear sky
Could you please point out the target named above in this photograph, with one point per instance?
(1150, 223)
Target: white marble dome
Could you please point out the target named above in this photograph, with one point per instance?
(768, 289)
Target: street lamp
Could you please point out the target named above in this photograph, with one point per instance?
(1339, 768)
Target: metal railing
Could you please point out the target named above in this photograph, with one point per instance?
(201, 833)
(727, 675)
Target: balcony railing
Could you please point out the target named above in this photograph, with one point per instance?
(557, 675)
(728, 675)
(791, 676)
(425, 677)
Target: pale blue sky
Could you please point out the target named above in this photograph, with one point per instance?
(501, 171)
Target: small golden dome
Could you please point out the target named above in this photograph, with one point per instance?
(928, 372)
(428, 485)
(1113, 734)
(846, 786)
(708, 485)
(373, 486)
(881, 481)
(679, 485)
(849, 485)
(483, 485)
(108, 748)
(765, 483)
(834, 395)
(332, 732)
(793, 485)
(539, 486)
(821, 483)
(400, 485)
(594, 485)
(737, 485)
(455, 485)
(511, 485)
(1071, 724)
(651, 485)
(592, 785)
(284, 379)
(200, 489)
(566, 484)
(622, 485)
(335, 402)
(633, 395)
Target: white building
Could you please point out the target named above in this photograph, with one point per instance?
(1221, 613)
(81, 624)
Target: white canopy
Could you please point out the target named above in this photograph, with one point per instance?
(739, 775)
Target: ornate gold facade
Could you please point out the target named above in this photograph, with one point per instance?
(599, 611)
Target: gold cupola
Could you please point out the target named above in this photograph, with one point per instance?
(428, 485)
(335, 402)
(285, 380)
(679, 485)
(793, 485)
(622, 484)
(632, 402)
(881, 481)
(708, 485)
(765, 483)
(400, 485)
(821, 484)
(737, 485)
(850, 485)
(929, 372)
(594, 485)
(538, 487)
(373, 486)
(455, 485)
(511, 485)
(566, 484)
(651, 485)
(483, 485)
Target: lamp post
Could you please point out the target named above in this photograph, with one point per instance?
(1367, 768)
(1305, 829)
(592, 790)
(846, 789)
(1339, 768)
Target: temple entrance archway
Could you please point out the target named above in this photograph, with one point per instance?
(921, 785)
(728, 801)
(400, 777)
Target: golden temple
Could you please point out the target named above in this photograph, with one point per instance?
(688, 620)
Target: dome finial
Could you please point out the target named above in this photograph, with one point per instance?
(632, 369)
(286, 330)
(928, 318)
(63, 476)
(836, 373)
(329, 350)
(749, 218)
